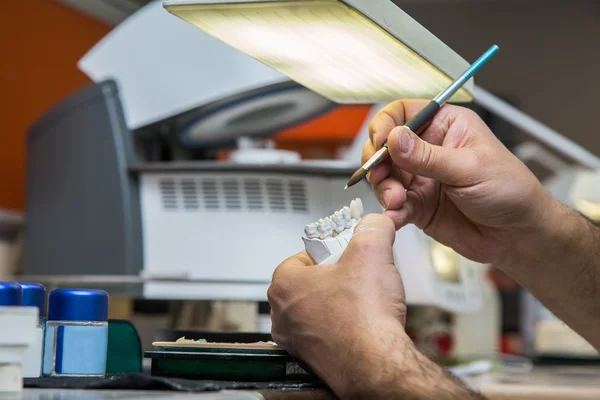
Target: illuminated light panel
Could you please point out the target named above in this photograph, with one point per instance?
(445, 263)
(327, 46)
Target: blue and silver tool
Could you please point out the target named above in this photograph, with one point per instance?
(420, 121)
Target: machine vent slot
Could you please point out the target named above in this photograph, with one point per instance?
(231, 190)
(298, 198)
(189, 190)
(254, 195)
(168, 194)
(276, 195)
(233, 194)
(210, 190)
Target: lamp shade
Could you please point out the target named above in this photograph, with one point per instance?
(350, 51)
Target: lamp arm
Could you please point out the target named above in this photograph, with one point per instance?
(536, 129)
(533, 151)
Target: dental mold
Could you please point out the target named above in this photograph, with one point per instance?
(326, 239)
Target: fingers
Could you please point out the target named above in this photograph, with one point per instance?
(409, 213)
(301, 259)
(451, 166)
(400, 217)
(371, 242)
(393, 115)
(390, 193)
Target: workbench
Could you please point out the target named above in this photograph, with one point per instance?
(544, 383)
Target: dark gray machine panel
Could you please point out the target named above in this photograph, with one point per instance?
(82, 208)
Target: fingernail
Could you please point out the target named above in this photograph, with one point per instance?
(406, 141)
(369, 177)
(386, 197)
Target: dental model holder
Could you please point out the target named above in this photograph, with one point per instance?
(326, 239)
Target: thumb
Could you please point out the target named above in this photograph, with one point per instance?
(371, 242)
(451, 166)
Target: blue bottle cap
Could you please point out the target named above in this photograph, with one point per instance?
(11, 294)
(34, 295)
(78, 305)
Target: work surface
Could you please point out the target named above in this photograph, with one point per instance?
(542, 384)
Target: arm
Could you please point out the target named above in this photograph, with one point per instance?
(394, 369)
(560, 266)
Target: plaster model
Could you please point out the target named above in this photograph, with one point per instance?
(326, 239)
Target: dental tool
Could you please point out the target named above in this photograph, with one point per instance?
(420, 121)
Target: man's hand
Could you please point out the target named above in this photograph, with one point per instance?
(459, 183)
(346, 321)
(466, 190)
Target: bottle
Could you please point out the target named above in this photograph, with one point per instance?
(34, 295)
(11, 294)
(76, 337)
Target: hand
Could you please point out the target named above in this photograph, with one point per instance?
(335, 317)
(459, 183)
(346, 321)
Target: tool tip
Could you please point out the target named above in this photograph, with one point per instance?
(357, 177)
(346, 187)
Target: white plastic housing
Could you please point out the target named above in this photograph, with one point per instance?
(164, 67)
(222, 234)
(18, 328)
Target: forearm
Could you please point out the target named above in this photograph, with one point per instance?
(560, 265)
(392, 368)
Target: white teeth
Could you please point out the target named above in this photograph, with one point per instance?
(336, 223)
(356, 209)
(347, 215)
(361, 207)
(324, 227)
(311, 231)
(338, 220)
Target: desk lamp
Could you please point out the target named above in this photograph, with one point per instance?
(349, 51)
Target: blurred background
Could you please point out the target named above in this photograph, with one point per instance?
(546, 69)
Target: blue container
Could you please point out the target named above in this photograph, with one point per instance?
(34, 295)
(76, 338)
(11, 294)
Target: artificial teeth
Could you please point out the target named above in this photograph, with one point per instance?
(361, 208)
(355, 210)
(338, 220)
(324, 227)
(311, 231)
(347, 215)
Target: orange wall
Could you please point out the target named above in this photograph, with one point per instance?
(40, 44)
